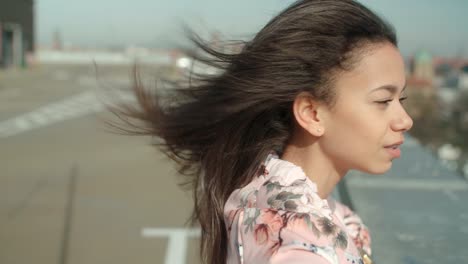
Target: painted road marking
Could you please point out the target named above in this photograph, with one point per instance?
(451, 195)
(72, 107)
(408, 184)
(177, 246)
(75, 106)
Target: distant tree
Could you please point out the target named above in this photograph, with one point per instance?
(460, 120)
(430, 127)
(434, 126)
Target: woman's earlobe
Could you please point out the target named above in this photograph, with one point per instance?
(305, 111)
(318, 132)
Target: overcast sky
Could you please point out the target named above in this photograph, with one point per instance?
(438, 26)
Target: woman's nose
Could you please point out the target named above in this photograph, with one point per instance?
(403, 122)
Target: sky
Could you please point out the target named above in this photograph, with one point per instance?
(441, 27)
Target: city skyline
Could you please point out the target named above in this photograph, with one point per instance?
(431, 25)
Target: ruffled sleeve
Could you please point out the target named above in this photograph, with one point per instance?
(278, 236)
(356, 229)
(280, 218)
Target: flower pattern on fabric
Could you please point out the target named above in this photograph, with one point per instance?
(358, 231)
(280, 213)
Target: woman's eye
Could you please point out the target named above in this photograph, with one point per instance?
(384, 101)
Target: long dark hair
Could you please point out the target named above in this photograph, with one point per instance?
(219, 128)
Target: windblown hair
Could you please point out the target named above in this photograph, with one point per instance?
(219, 128)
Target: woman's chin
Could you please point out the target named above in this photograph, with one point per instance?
(377, 169)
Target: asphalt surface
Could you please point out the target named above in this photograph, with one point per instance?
(417, 212)
(71, 192)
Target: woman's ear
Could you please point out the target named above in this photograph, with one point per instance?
(306, 112)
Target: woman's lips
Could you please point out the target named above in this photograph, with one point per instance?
(395, 152)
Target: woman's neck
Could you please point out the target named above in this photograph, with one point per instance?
(316, 165)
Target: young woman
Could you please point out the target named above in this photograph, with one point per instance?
(317, 92)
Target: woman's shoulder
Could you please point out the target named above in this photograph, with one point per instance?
(280, 213)
(282, 186)
(355, 227)
(271, 236)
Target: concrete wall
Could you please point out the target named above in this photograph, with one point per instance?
(20, 12)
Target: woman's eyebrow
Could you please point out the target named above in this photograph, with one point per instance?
(389, 87)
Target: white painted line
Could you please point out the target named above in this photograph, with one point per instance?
(161, 232)
(177, 248)
(411, 184)
(21, 124)
(75, 106)
(451, 195)
(38, 118)
(176, 252)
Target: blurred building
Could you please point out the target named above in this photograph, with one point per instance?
(421, 70)
(463, 80)
(16, 32)
(452, 71)
(57, 43)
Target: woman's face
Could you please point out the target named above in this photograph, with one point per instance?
(366, 125)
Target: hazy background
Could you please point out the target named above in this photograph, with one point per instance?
(422, 24)
(71, 192)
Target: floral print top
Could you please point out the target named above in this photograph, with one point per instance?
(279, 218)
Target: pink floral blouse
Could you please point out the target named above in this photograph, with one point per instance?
(279, 218)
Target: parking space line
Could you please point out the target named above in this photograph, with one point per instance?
(176, 252)
(72, 107)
